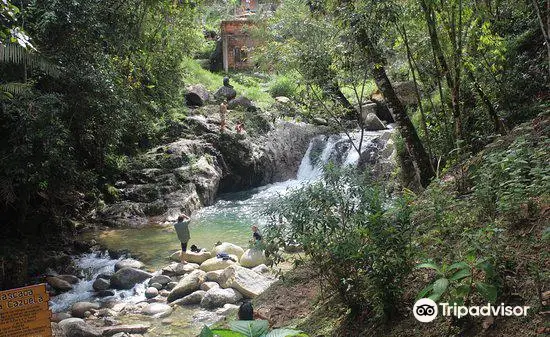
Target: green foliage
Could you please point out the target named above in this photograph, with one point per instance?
(509, 181)
(459, 281)
(355, 237)
(10, 30)
(283, 86)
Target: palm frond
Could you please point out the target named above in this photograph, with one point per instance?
(13, 53)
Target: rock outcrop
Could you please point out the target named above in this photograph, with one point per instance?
(187, 174)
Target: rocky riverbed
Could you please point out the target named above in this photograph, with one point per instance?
(130, 301)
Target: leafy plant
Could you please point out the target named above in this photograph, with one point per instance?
(460, 280)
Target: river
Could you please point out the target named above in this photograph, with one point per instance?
(227, 220)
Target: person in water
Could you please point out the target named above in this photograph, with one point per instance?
(182, 229)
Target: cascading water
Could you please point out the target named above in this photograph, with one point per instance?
(92, 265)
(229, 219)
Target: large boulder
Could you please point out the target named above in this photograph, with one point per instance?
(192, 257)
(127, 278)
(160, 279)
(69, 278)
(225, 93)
(193, 298)
(216, 264)
(58, 283)
(373, 123)
(197, 95)
(188, 284)
(252, 258)
(246, 281)
(217, 297)
(101, 284)
(79, 309)
(228, 248)
(214, 275)
(157, 309)
(241, 103)
(76, 327)
(128, 263)
(177, 269)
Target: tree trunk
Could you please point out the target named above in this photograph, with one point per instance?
(405, 126)
(497, 124)
(333, 91)
(438, 52)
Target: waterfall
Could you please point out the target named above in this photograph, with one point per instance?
(337, 149)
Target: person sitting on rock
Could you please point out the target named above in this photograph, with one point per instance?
(182, 229)
(223, 114)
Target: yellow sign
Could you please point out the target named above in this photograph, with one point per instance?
(24, 312)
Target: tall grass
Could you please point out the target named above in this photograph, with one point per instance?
(193, 73)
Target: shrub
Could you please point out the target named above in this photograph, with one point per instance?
(357, 238)
(282, 86)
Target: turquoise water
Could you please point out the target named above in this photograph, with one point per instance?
(228, 220)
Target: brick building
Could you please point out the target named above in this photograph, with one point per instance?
(236, 44)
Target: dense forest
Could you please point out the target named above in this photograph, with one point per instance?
(88, 86)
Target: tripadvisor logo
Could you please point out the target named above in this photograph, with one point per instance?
(426, 310)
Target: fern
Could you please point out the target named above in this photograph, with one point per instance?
(12, 53)
(14, 88)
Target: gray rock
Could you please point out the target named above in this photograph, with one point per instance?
(58, 283)
(217, 297)
(56, 330)
(69, 278)
(105, 276)
(105, 293)
(252, 258)
(157, 310)
(171, 285)
(128, 328)
(187, 285)
(59, 316)
(101, 284)
(76, 327)
(197, 95)
(79, 309)
(246, 281)
(151, 292)
(261, 269)
(127, 278)
(373, 123)
(227, 309)
(209, 285)
(213, 276)
(157, 286)
(241, 103)
(177, 269)
(128, 263)
(160, 279)
(225, 93)
(193, 298)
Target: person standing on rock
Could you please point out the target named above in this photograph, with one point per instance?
(182, 229)
(223, 114)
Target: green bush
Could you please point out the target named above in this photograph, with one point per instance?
(283, 86)
(509, 180)
(357, 238)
